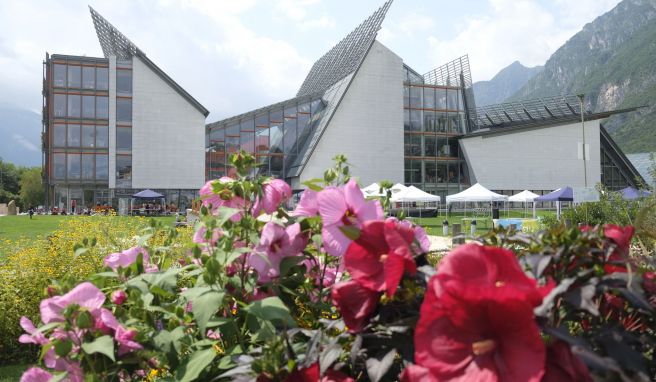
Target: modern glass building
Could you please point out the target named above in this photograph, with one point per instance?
(362, 100)
(116, 125)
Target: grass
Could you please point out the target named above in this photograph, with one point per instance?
(16, 227)
(11, 373)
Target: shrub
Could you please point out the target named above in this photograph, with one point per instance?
(336, 291)
(32, 265)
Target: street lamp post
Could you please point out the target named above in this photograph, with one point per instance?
(585, 166)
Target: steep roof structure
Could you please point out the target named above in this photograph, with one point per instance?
(115, 43)
(345, 57)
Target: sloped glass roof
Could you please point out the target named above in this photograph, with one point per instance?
(529, 111)
(112, 41)
(345, 57)
(643, 162)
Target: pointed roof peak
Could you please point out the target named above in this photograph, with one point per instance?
(345, 57)
(112, 41)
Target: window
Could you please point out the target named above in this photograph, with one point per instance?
(88, 135)
(102, 167)
(406, 96)
(87, 166)
(102, 79)
(289, 139)
(124, 167)
(452, 99)
(275, 133)
(74, 106)
(412, 145)
(88, 77)
(59, 105)
(276, 165)
(123, 110)
(74, 76)
(430, 121)
(440, 99)
(59, 135)
(73, 166)
(406, 119)
(88, 107)
(429, 98)
(415, 120)
(262, 141)
(59, 75)
(102, 108)
(73, 136)
(59, 165)
(430, 146)
(124, 138)
(123, 81)
(102, 136)
(415, 97)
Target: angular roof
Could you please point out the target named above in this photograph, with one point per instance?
(345, 57)
(114, 43)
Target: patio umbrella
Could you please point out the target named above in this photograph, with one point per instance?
(631, 193)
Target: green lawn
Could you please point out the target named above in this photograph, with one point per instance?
(11, 373)
(433, 226)
(15, 227)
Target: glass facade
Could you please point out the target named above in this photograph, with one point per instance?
(434, 119)
(123, 123)
(276, 135)
(77, 131)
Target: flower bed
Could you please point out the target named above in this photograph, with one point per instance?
(335, 291)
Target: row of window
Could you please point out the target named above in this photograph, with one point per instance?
(421, 97)
(75, 166)
(90, 107)
(80, 77)
(431, 121)
(90, 77)
(266, 165)
(435, 172)
(429, 146)
(87, 136)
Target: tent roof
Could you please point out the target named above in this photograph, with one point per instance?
(147, 194)
(564, 194)
(413, 194)
(398, 188)
(524, 196)
(372, 188)
(631, 193)
(475, 193)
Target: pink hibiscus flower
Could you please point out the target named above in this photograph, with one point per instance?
(276, 243)
(125, 339)
(307, 206)
(86, 295)
(225, 197)
(273, 193)
(341, 207)
(35, 374)
(128, 257)
(33, 336)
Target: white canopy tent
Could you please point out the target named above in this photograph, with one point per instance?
(371, 190)
(525, 197)
(413, 194)
(476, 193)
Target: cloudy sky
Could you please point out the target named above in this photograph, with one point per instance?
(237, 55)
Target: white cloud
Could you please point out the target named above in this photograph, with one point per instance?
(21, 140)
(521, 30)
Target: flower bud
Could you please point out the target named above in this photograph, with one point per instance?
(119, 297)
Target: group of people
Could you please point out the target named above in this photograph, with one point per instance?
(154, 209)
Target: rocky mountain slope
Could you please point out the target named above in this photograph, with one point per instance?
(613, 61)
(504, 84)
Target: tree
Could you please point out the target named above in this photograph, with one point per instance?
(31, 188)
(9, 178)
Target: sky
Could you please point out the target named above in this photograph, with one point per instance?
(237, 55)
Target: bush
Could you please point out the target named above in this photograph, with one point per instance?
(336, 291)
(31, 266)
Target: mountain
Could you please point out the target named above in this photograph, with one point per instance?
(508, 81)
(613, 62)
(20, 132)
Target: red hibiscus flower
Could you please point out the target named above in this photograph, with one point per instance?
(355, 303)
(621, 237)
(476, 321)
(311, 374)
(380, 255)
(563, 366)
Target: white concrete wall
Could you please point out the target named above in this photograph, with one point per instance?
(168, 134)
(112, 122)
(543, 158)
(368, 125)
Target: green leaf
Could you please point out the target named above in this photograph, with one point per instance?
(377, 369)
(288, 263)
(103, 345)
(225, 213)
(312, 184)
(59, 377)
(204, 303)
(79, 252)
(192, 368)
(271, 309)
(63, 347)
